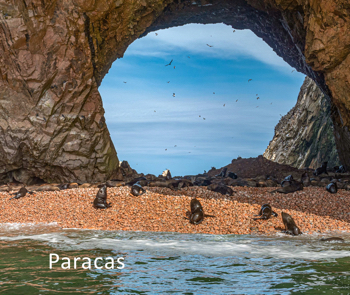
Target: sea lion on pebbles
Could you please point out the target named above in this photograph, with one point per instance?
(332, 187)
(21, 193)
(289, 224)
(197, 213)
(266, 212)
(195, 204)
(289, 187)
(322, 169)
(137, 189)
(221, 188)
(100, 201)
(305, 179)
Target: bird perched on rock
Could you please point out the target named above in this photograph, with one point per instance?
(332, 187)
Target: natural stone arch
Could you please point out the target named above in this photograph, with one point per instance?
(54, 55)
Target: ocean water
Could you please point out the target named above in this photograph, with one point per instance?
(170, 263)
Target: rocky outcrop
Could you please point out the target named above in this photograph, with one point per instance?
(304, 137)
(54, 55)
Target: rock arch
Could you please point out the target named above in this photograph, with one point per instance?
(54, 55)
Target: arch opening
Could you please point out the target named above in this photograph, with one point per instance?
(196, 96)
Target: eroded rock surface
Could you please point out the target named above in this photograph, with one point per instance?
(304, 137)
(54, 55)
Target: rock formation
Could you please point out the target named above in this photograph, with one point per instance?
(54, 55)
(304, 137)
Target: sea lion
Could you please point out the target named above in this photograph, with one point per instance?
(232, 175)
(322, 169)
(197, 213)
(221, 188)
(341, 169)
(332, 239)
(197, 216)
(201, 181)
(100, 201)
(195, 204)
(63, 186)
(266, 212)
(289, 224)
(305, 179)
(137, 189)
(222, 173)
(289, 187)
(20, 194)
(332, 187)
(137, 179)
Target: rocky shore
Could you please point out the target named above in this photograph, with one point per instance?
(164, 207)
(161, 209)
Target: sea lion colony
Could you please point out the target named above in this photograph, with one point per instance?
(216, 184)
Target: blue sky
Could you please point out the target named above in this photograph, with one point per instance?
(154, 131)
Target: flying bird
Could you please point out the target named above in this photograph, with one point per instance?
(236, 100)
(258, 97)
(154, 111)
(175, 145)
(250, 80)
(168, 82)
(173, 94)
(209, 45)
(257, 106)
(293, 71)
(199, 116)
(188, 56)
(169, 63)
(156, 34)
(213, 92)
(166, 149)
(124, 82)
(203, 118)
(174, 67)
(224, 104)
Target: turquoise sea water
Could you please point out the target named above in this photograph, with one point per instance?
(162, 263)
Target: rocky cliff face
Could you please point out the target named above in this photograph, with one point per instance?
(304, 137)
(54, 55)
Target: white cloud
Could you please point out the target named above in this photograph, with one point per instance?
(226, 43)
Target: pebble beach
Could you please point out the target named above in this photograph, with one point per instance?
(163, 210)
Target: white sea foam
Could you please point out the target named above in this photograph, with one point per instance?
(308, 248)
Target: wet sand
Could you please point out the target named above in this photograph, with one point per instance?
(163, 210)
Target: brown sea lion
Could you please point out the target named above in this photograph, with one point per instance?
(197, 216)
(195, 204)
(289, 187)
(289, 224)
(332, 187)
(322, 169)
(20, 194)
(305, 179)
(137, 189)
(100, 201)
(221, 188)
(197, 213)
(266, 212)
